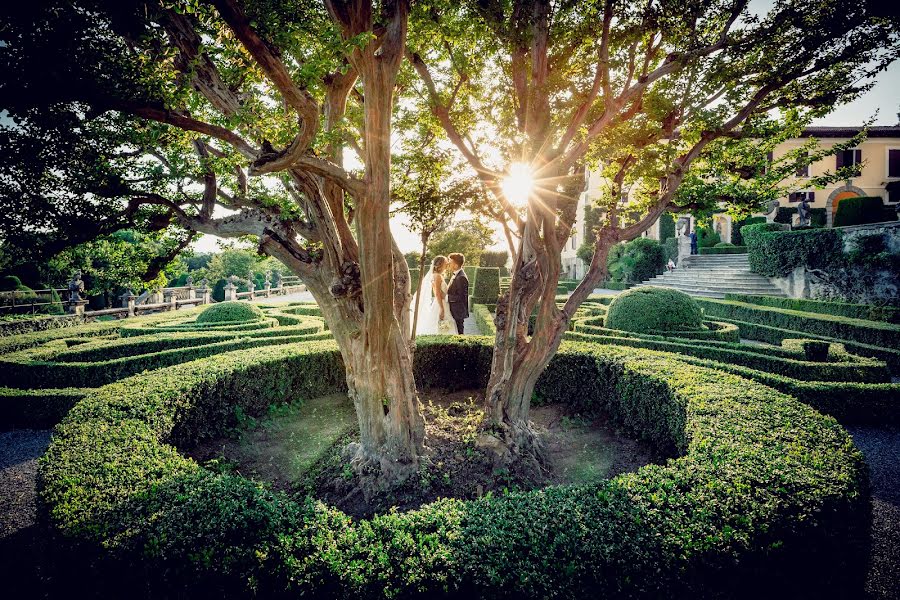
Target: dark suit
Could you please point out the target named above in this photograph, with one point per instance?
(458, 297)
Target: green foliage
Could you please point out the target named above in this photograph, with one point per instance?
(486, 287)
(636, 261)
(484, 319)
(724, 249)
(874, 333)
(707, 238)
(670, 248)
(654, 310)
(724, 245)
(775, 253)
(469, 238)
(107, 471)
(36, 409)
(860, 211)
(232, 312)
(666, 226)
(413, 279)
(736, 238)
(711, 330)
(493, 258)
(869, 312)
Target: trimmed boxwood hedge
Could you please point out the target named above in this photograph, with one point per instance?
(484, 319)
(230, 312)
(869, 312)
(27, 370)
(742, 508)
(775, 335)
(721, 332)
(654, 310)
(875, 333)
(724, 250)
(851, 369)
(36, 409)
(486, 287)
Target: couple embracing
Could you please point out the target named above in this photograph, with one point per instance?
(444, 296)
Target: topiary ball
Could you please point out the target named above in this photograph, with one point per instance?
(654, 310)
(230, 311)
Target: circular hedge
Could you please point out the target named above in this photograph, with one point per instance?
(232, 312)
(654, 310)
(745, 504)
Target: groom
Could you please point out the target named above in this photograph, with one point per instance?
(458, 291)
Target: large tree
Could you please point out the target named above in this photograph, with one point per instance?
(637, 90)
(231, 117)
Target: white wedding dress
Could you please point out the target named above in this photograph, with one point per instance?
(429, 322)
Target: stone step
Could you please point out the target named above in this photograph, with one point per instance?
(716, 291)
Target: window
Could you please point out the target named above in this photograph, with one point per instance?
(848, 158)
(574, 240)
(893, 161)
(798, 196)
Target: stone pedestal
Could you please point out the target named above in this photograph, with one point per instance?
(684, 247)
(268, 290)
(128, 302)
(76, 307)
(171, 299)
(230, 292)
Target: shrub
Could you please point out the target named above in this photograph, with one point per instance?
(36, 409)
(484, 319)
(719, 249)
(869, 312)
(777, 253)
(636, 261)
(486, 288)
(859, 211)
(707, 238)
(785, 214)
(666, 226)
(493, 258)
(875, 333)
(670, 248)
(413, 279)
(233, 312)
(712, 522)
(788, 364)
(654, 310)
(722, 332)
(724, 245)
(816, 351)
(736, 238)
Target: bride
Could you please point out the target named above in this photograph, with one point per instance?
(434, 309)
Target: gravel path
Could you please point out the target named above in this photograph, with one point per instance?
(19, 451)
(881, 447)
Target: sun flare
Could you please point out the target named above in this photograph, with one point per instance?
(517, 185)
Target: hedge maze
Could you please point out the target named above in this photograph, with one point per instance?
(125, 504)
(46, 372)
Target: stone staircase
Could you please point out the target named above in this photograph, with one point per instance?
(715, 275)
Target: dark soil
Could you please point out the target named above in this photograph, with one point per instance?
(300, 451)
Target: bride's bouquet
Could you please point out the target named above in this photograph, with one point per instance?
(444, 327)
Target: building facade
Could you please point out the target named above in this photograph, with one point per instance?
(879, 156)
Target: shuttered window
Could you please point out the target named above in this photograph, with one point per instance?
(848, 158)
(894, 163)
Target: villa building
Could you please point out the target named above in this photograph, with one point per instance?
(879, 156)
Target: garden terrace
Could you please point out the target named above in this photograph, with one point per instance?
(46, 372)
(124, 500)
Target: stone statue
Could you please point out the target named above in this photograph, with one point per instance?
(682, 226)
(189, 282)
(76, 287)
(268, 278)
(772, 206)
(803, 212)
(204, 283)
